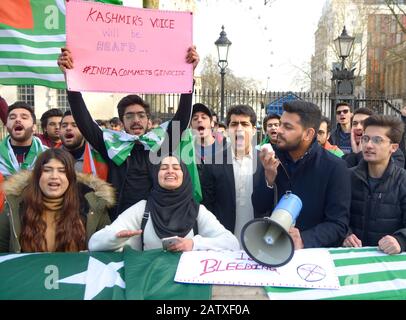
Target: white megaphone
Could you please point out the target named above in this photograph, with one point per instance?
(267, 240)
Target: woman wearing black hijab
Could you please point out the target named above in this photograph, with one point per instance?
(169, 211)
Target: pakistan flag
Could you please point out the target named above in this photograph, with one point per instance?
(62, 276)
(95, 276)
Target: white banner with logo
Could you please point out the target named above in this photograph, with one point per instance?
(309, 268)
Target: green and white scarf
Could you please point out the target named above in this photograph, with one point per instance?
(8, 161)
(119, 145)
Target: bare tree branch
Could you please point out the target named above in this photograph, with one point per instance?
(392, 5)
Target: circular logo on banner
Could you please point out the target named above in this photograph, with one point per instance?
(311, 272)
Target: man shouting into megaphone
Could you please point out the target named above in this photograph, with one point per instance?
(320, 179)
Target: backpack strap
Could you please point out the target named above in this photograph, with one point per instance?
(144, 223)
(195, 228)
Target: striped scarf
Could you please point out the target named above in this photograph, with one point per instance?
(364, 274)
(119, 143)
(8, 161)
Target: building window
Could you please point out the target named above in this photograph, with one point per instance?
(398, 38)
(62, 100)
(26, 93)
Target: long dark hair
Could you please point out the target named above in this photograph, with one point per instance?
(70, 233)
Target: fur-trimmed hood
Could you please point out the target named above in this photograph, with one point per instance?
(16, 183)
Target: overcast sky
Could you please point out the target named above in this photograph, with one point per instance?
(267, 41)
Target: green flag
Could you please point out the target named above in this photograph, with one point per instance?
(29, 51)
(364, 274)
(8, 161)
(149, 275)
(186, 151)
(62, 276)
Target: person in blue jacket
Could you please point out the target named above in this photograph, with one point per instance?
(320, 179)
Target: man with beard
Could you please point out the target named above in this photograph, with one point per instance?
(129, 164)
(72, 140)
(19, 150)
(341, 135)
(50, 122)
(270, 125)
(357, 130)
(85, 157)
(227, 186)
(301, 166)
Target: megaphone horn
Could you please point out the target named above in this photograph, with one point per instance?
(267, 240)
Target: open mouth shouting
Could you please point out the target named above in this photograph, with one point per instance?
(201, 130)
(358, 135)
(137, 130)
(69, 136)
(18, 129)
(53, 186)
(240, 140)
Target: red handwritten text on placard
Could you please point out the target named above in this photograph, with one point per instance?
(112, 17)
(214, 265)
(110, 71)
(163, 23)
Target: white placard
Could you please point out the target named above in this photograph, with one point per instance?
(309, 268)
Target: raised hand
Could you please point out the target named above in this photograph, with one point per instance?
(65, 60)
(192, 56)
(270, 164)
(356, 147)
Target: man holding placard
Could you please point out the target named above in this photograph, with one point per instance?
(128, 154)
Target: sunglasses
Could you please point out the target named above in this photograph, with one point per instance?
(345, 111)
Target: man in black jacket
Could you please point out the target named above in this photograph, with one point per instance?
(131, 179)
(378, 202)
(319, 178)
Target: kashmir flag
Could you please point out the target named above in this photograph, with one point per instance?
(31, 35)
(62, 276)
(364, 274)
(150, 275)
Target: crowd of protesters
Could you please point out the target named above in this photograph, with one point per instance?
(92, 185)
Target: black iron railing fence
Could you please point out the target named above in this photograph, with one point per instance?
(164, 106)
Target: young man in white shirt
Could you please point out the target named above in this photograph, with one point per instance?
(227, 185)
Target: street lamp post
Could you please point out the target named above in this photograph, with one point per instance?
(342, 88)
(343, 45)
(223, 45)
